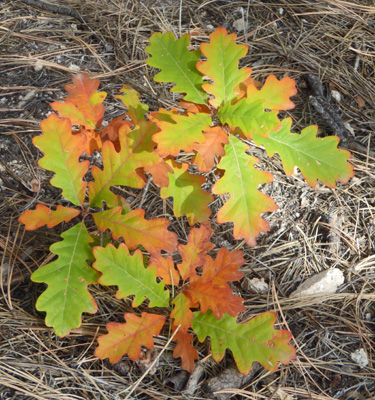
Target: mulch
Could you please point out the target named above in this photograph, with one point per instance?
(332, 42)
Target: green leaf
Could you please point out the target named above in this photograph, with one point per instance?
(317, 158)
(177, 64)
(249, 116)
(241, 180)
(61, 153)
(67, 297)
(128, 272)
(255, 340)
(188, 196)
(221, 66)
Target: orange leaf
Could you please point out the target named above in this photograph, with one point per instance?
(84, 105)
(164, 268)
(220, 300)
(275, 93)
(160, 173)
(225, 267)
(215, 137)
(185, 350)
(92, 139)
(42, 215)
(193, 253)
(128, 338)
(194, 108)
(153, 234)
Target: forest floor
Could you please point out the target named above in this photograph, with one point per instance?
(315, 229)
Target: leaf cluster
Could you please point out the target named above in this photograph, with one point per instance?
(222, 109)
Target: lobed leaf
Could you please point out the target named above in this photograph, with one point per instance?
(194, 251)
(61, 153)
(182, 134)
(185, 350)
(128, 338)
(188, 196)
(130, 99)
(83, 105)
(246, 203)
(249, 116)
(177, 64)
(275, 93)
(66, 296)
(211, 289)
(164, 268)
(317, 158)
(215, 138)
(222, 55)
(128, 272)
(255, 340)
(42, 215)
(122, 168)
(181, 313)
(153, 234)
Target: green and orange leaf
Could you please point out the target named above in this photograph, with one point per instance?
(188, 197)
(181, 313)
(249, 116)
(61, 151)
(182, 134)
(42, 215)
(317, 158)
(177, 64)
(275, 93)
(222, 55)
(246, 204)
(129, 274)
(130, 99)
(84, 104)
(255, 340)
(152, 234)
(66, 296)
(123, 167)
(129, 338)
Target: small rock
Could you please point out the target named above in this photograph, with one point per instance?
(258, 285)
(336, 95)
(325, 282)
(360, 357)
(239, 25)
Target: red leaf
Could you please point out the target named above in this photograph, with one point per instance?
(181, 313)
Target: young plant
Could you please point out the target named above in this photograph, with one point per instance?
(222, 107)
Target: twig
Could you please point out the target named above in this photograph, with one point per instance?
(62, 10)
(332, 118)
